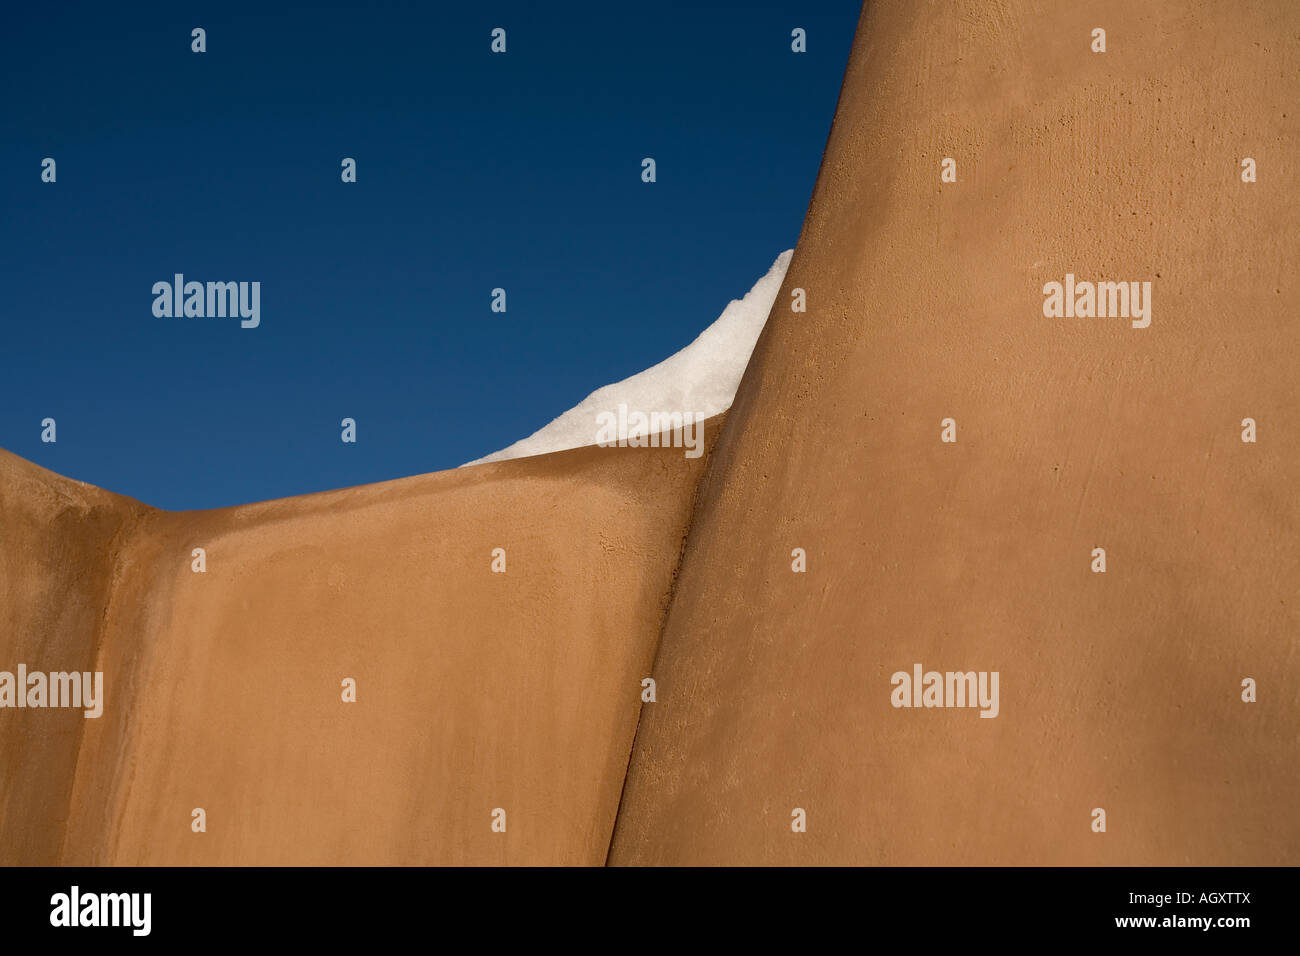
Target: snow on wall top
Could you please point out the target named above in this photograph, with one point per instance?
(702, 377)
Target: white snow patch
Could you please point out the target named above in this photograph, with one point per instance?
(703, 377)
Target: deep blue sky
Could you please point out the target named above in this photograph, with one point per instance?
(475, 170)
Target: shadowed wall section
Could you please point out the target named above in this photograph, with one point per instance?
(59, 541)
